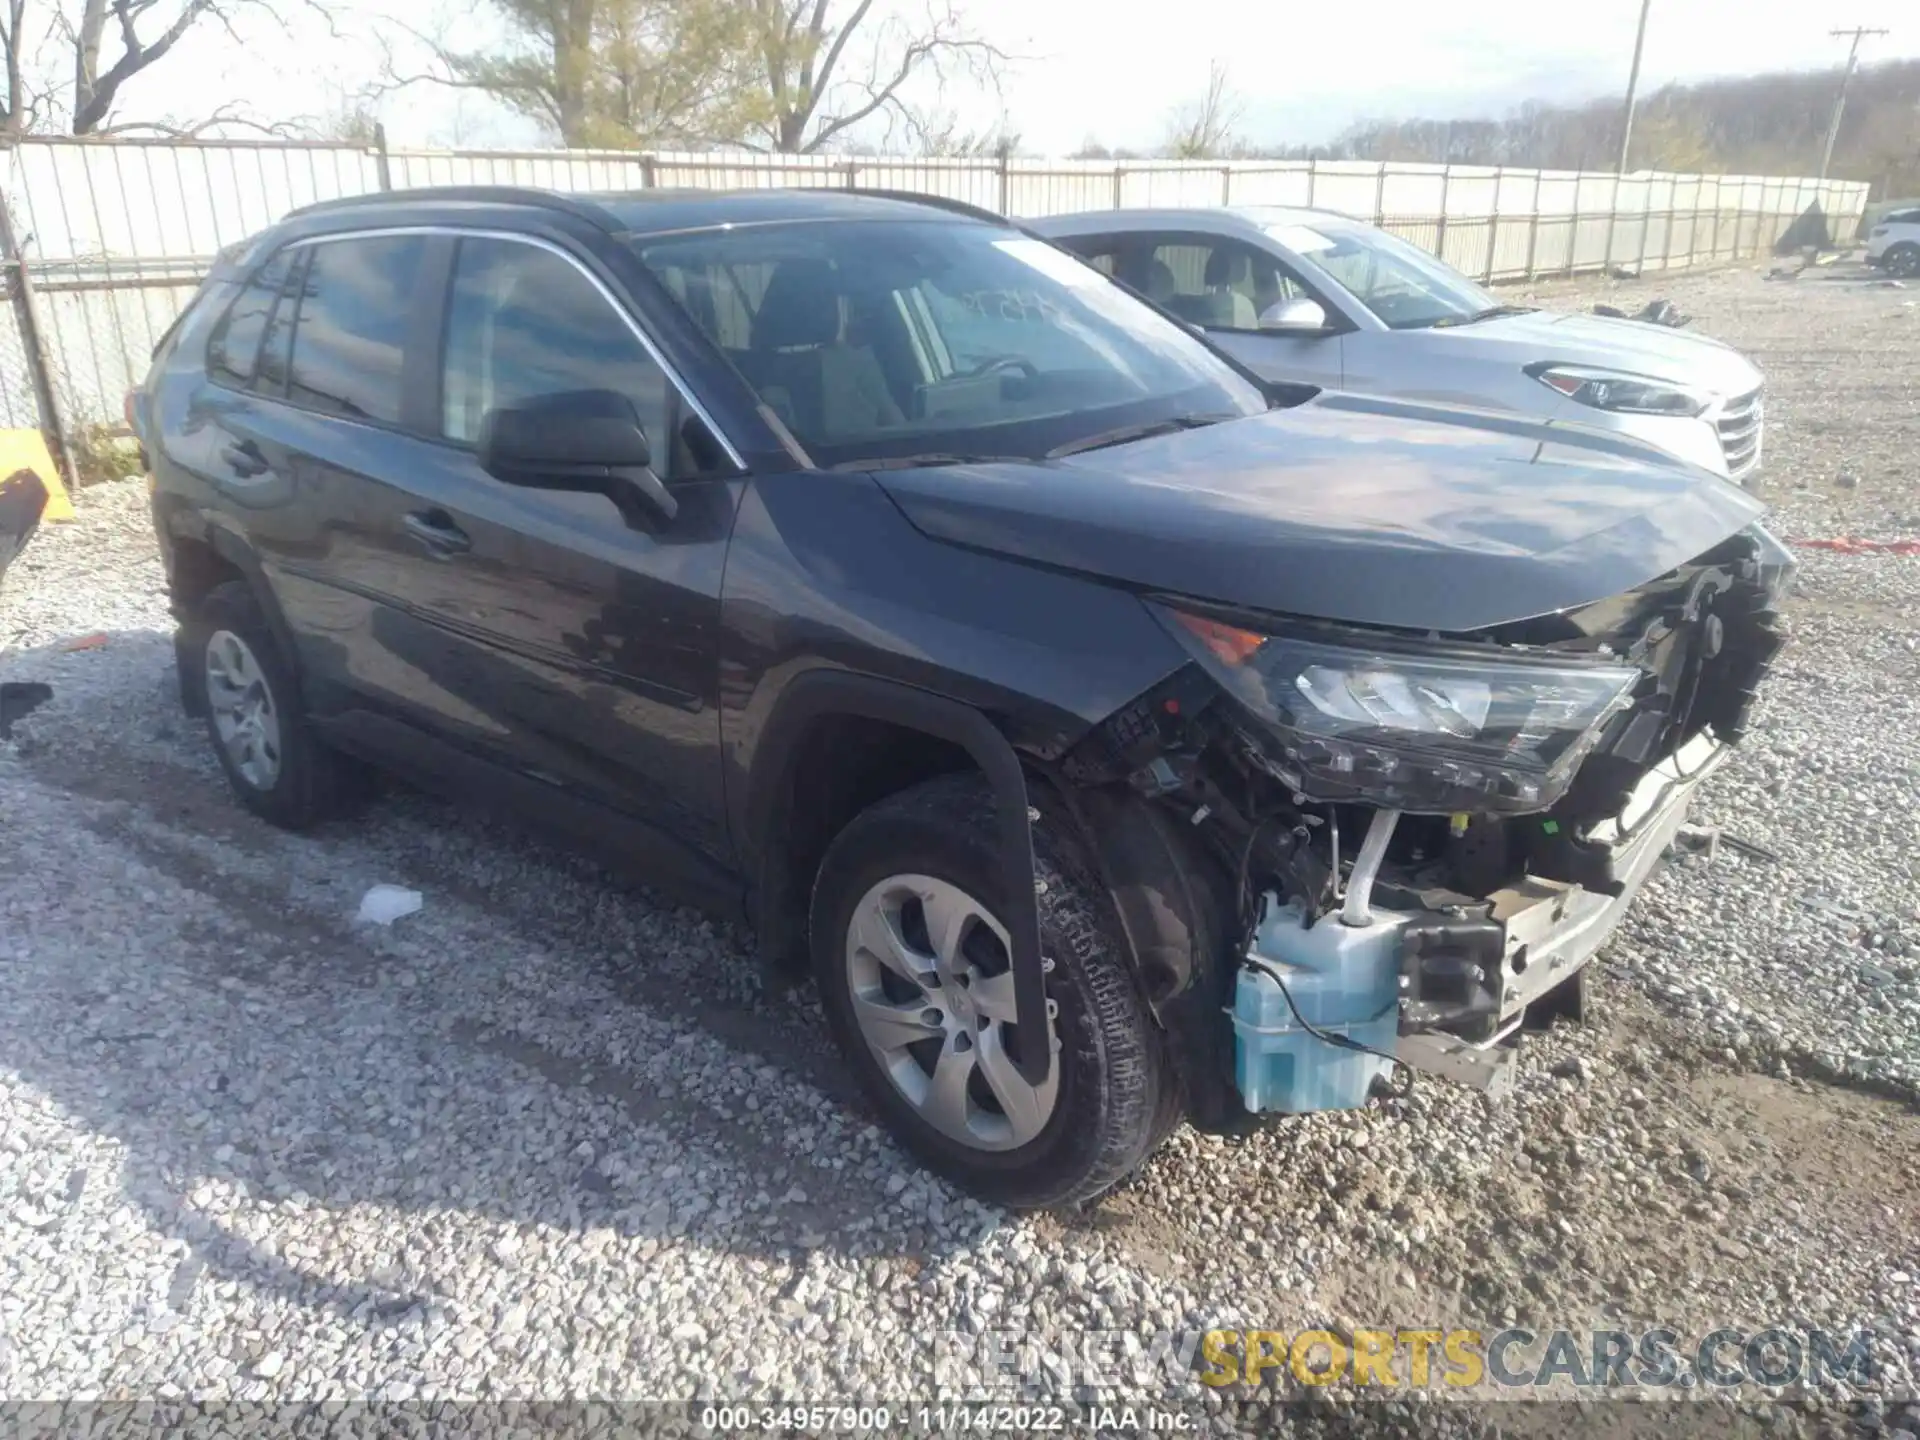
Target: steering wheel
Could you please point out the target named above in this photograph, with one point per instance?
(1001, 363)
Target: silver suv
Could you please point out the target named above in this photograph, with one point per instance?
(1317, 297)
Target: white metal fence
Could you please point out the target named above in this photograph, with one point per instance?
(111, 237)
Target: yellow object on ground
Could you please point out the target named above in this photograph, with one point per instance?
(27, 450)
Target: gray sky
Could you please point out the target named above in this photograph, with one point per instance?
(1116, 71)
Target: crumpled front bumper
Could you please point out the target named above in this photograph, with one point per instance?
(1551, 928)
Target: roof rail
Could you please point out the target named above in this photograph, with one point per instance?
(479, 194)
(937, 202)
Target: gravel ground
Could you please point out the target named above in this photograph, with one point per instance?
(548, 1139)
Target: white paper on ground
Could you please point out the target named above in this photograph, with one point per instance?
(384, 904)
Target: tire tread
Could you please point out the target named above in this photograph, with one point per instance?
(1121, 1048)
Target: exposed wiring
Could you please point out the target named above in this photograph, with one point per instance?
(1246, 901)
(1341, 1042)
(1243, 894)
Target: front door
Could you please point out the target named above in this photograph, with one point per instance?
(591, 646)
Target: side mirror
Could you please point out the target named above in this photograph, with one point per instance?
(1298, 316)
(588, 443)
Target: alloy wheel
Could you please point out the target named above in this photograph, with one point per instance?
(931, 980)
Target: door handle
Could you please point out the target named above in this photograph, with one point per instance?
(435, 530)
(243, 457)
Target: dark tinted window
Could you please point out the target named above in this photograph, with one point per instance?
(236, 339)
(351, 337)
(270, 374)
(525, 326)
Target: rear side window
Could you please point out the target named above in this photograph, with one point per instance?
(350, 339)
(233, 350)
(270, 373)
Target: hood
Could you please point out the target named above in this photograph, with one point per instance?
(1600, 340)
(1351, 509)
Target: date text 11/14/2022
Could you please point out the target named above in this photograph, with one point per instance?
(955, 1417)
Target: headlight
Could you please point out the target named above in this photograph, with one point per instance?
(1622, 394)
(1423, 729)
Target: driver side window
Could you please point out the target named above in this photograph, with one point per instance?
(525, 325)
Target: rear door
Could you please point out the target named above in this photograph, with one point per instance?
(224, 435)
(347, 346)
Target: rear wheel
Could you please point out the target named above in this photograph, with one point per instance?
(277, 767)
(1902, 259)
(911, 953)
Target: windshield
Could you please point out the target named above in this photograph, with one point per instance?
(938, 341)
(1401, 284)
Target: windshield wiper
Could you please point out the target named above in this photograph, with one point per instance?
(931, 457)
(1492, 312)
(1145, 431)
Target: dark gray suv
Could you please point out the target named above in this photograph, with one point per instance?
(1119, 741)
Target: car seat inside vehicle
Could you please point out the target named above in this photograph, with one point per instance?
(1229, 277)
(800, 360)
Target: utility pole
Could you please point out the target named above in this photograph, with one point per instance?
(1840, 100)
(1633, 84)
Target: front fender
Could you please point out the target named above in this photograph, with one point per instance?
(824, 693)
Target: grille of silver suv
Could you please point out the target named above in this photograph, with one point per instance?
(1739, 425)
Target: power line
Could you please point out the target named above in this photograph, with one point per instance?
(1858, 33)
(1633, 84)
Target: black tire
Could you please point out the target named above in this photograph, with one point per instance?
(312, 783)
(1110, 1108)
(1902, 259)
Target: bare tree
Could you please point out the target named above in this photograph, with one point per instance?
(830, 66)
(109, 42)
(1756, 124)
(23, 106)
(619, 73)
(786, 75)
(943, 134)
(144, 31)
(1204, 130)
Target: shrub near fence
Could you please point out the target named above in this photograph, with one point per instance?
(115, 235)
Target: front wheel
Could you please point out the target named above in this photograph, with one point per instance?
(1902, 260)
(912, 957)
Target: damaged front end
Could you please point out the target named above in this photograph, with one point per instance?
(1424, 835)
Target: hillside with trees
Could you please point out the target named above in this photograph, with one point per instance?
(1773, 124)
